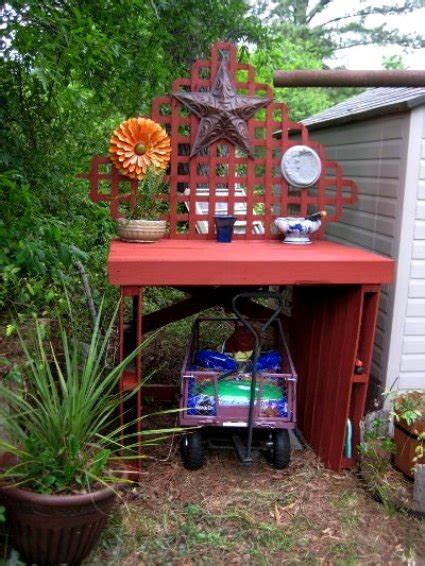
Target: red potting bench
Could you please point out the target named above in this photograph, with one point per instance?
(335, 288)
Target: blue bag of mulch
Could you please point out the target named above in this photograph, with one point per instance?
(197, 402)
(269, 361)
(210, 359)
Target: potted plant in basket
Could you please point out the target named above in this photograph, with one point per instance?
(140, 149)
(409, 430)
(64, 461)
(142, 224)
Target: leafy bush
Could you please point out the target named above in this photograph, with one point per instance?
(39, 249)
(70, 73)
(375, 451)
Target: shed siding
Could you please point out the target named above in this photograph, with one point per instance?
(373, 153)
(412, 366)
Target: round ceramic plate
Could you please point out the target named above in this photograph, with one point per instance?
(301, 166)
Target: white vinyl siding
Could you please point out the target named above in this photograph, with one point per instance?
(373, 154)
(412, 363)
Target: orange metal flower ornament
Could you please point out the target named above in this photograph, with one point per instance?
(138, 144)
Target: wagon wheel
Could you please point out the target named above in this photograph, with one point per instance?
(192, 448)
(279, 454)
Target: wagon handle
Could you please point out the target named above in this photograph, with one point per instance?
(244, 319)
(258, 295)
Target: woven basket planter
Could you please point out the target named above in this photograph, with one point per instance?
(141, 230)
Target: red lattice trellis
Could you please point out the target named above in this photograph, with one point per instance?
(225, 169)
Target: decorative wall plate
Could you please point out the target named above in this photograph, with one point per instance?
(301, 166)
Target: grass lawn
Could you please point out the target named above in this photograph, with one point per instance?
(225, 513)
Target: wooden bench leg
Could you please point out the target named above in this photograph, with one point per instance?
(132, 378)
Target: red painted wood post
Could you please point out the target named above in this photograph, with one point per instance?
(350, 313)
(324, 332)
(139, 339)
(131, 379)
(333, 331)
(121, 323)
(365, 342)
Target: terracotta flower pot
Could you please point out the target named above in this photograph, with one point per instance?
(55, 529)
(141, 230)
(406, 441)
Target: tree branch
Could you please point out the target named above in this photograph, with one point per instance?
(87, 290)
(387, 10)
(317, 9)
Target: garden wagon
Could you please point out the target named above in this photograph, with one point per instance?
(254, 403)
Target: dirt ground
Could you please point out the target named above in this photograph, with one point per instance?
(228, 514)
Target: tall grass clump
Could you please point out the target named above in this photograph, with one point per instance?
(60, 419)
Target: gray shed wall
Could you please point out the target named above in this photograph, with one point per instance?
(373, 153)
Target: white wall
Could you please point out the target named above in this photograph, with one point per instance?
(409, 360)
(373, 153)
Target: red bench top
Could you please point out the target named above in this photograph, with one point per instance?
(244, 262)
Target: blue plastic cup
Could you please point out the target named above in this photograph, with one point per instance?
(224, 227)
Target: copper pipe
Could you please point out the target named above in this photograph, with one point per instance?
(393, 78)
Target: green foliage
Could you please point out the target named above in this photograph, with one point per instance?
(70, 72)
(420, 448)
(61, 419)
(284, 53)
(2, 514)
(303, 35)
(377, 445)
(147, 206)
(39, 248)
(393, 62)
(375, 451)
(409, 406)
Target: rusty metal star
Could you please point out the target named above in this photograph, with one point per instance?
(224, 113)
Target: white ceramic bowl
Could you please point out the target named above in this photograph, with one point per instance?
(297, 230)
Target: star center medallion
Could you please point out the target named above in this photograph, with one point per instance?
(223, 113)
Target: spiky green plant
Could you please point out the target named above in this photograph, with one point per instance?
(146, 205)
(61, 417)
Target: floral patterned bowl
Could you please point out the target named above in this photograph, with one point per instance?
(297, 230)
